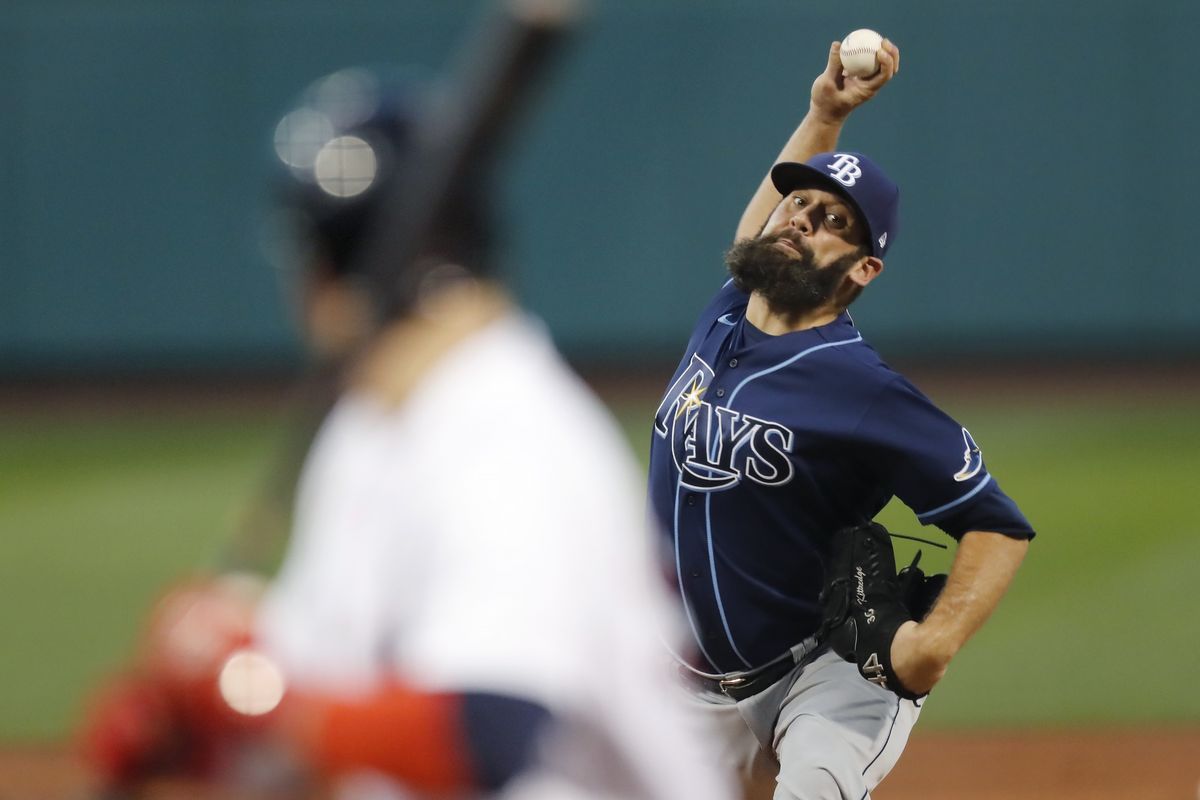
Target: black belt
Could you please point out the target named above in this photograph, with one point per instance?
(740, 685)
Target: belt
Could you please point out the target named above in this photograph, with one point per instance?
(740, 685)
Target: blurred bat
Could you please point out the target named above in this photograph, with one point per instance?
(460, 137)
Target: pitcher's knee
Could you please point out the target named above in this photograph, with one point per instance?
(816, 763)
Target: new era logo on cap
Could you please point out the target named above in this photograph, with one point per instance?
(873, 194)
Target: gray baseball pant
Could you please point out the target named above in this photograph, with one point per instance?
(821, 732)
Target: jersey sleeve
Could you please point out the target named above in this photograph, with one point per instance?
(933, 464)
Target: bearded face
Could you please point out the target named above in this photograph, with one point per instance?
(784, 271)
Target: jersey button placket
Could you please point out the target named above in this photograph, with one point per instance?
(733, 362)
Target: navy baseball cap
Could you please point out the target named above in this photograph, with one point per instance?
(860, 180)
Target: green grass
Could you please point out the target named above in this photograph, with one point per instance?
(1101, 625)
(96, 514)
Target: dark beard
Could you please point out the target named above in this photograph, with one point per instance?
(791, 286)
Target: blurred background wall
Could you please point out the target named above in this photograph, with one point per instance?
(1047, 159)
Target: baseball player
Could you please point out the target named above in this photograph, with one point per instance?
(446, 620)
(780, 435)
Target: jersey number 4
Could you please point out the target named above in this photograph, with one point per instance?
(872, 670)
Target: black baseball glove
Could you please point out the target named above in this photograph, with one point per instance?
(865, 601)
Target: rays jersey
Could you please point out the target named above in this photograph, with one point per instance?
(765, 446)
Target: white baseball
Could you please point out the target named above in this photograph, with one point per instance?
(859, 53)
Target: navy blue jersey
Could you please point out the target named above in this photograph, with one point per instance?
(764, 446)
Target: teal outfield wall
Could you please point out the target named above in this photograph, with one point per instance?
(1046, 150)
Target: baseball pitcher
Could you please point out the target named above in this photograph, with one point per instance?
(780, 436)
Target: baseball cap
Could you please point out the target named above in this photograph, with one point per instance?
(860, 180)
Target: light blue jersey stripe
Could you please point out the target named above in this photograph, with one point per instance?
(959, 501)
(708, 497)
(712, 568)
(679, 574)
(789, 362)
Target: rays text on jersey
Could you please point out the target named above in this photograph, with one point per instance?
(714, 447)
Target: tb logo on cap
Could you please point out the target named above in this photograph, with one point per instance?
(845, 169)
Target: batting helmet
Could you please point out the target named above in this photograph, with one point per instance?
(345, 148)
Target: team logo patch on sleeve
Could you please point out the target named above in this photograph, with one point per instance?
(972, 458)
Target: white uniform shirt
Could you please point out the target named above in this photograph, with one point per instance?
(489, 535)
